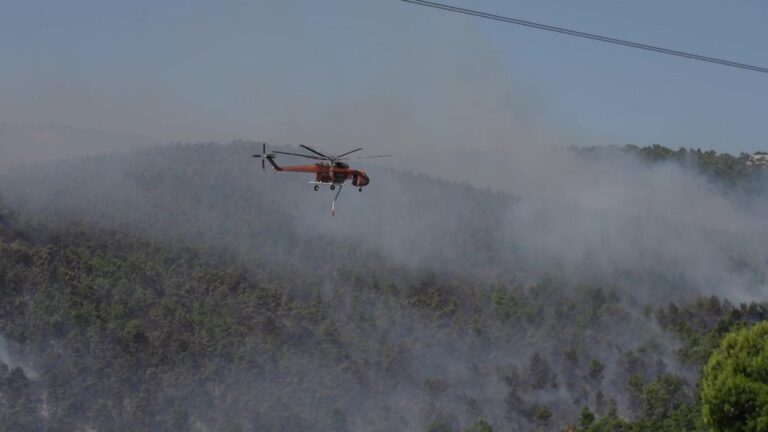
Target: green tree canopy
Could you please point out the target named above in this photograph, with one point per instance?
(734, 388)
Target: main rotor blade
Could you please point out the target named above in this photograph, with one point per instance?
(351, 151)
(300, 155)
(315, 151)
(367, 157)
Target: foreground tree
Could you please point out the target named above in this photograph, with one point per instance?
(734, 388)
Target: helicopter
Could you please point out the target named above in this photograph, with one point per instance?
(330, 171)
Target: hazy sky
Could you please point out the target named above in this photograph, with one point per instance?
(294, 70)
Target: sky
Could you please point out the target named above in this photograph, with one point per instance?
(371, 72)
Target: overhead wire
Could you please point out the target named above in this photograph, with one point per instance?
(586, 35)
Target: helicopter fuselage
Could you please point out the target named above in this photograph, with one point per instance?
(325, 174)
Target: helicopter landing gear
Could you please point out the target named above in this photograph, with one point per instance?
(333, 187)
(316, 188)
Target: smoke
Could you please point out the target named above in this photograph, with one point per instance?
(431, 90)
(653, 232)
(482, 189)
(613, 219)
(28, 144)
(618, 216)
(12, 357)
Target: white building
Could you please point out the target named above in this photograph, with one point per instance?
(759, 159)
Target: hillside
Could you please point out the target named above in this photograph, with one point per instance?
(34, 143)
(179, 288)
(743, 171)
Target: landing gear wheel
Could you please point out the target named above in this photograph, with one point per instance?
(316, 188)
(359, 189)
(333, 187)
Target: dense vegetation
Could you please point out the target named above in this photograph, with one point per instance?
(132, 335)
(735, 383)
(209, 320)
(668, 403)
(722, 167)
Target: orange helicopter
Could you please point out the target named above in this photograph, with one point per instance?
(330, 171)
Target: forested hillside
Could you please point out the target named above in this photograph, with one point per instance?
(731, 170)
(181, 289)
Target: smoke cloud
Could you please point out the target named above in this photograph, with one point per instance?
(12, 357)
(483, 187)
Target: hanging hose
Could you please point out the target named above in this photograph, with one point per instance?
(333, 205)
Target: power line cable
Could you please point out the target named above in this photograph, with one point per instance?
(586, 35)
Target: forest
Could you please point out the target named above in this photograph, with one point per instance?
(728, 169)
(179, 289)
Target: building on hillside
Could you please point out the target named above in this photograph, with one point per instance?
(759, 159)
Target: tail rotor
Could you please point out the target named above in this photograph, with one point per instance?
(264, 156)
